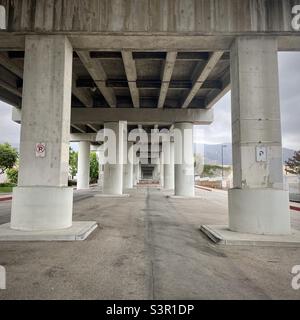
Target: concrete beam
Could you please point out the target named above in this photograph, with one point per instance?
(213, 98)
(11, 65)
(7, 86)
(200, 76)
(166, 77)
(95, 69)
(288, 41)
(80, 128)
(82, 94)
(76, 137)
(141, 116)
(130, 69)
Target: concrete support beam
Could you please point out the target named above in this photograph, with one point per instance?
(113, 172)
(95, 69)
(258, 202)
(10, 65)
(131, 74)
(184, 159)
(142, 116)
(79, 128)
(82, 94)
(200, 75)
(166, 77)
(7, 86)
(83, 175)
(76, 137)
(42, 200)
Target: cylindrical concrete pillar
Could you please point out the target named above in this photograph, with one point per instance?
(258, 202)
(42, 200)
(184, 159)
(169, 168)
(113, 169)
(83, 174)
(128, 168)
(161, 168)
(100, 155)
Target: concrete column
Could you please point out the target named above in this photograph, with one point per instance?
(184, 159)
(42, 200)
(258, 202)
(169, 168)
(83, 174)
(161, 168)
(100, 154)
(113, 172)
(128, 168)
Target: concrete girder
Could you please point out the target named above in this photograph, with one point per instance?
(131, 74)
(166, 77)
(141, 116)
(95, 69)
(200, 75)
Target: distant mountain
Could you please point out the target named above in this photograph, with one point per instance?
(213, 153)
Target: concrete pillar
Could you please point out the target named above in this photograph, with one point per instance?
(169, 168)
(258, 202)
(113, 172)
(83, 174)
(128, 168)
(184, 159)
(161, 168)
(100, 155)
(42, 200)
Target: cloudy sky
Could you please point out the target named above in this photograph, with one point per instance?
(220, 130)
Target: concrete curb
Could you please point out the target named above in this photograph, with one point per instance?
(295, 208)
(221, 235)
(5, 198)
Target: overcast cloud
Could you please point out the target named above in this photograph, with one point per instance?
(220, 130)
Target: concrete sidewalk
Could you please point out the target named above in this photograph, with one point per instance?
(148, 246)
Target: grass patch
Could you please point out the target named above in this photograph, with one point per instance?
(6, 187)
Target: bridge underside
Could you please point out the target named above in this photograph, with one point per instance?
(121, 65)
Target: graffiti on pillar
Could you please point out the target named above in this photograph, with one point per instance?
(40, 150)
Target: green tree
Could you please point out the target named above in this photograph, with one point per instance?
(94, 167)
(73, 162)
(8, 157)
(293, 164)
(12, 175)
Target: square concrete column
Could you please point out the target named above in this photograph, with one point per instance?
(136, 173)
(113, 168)
(258, 202)
(83, 175)
(128, 167)
(42, 200)
(184, 159)
(169, 166)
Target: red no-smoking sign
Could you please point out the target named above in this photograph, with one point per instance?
(40, 150)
